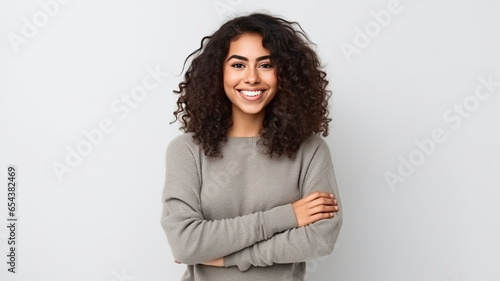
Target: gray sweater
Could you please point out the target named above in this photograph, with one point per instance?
(239, 207)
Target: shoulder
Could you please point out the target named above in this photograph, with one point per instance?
(316, 162)
(182, 139)
(315, 144)
(183, 144)
(314, 152)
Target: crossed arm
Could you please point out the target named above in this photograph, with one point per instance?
(289, 233)
(312, 208)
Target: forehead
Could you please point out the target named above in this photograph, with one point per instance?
(248, 45)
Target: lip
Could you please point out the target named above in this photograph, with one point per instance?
(251, 98)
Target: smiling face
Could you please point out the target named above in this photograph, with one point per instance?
(250, 80)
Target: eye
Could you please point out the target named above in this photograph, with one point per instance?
(266, 65)
(237, 65)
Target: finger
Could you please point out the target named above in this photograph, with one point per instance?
(323, 209)
(321, 201)
(321, 216)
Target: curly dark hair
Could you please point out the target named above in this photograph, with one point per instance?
(299, 108)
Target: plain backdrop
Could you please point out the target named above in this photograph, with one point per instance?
(414, 136)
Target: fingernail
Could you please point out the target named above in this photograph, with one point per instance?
(331, 195)
(176, 261)
(336, 208)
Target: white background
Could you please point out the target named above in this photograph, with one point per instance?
(101, 221)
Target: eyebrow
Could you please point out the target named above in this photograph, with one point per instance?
(246, 59)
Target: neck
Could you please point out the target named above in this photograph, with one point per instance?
(246, 125)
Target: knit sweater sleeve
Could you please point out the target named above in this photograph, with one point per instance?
(304, 243)
(192, 238)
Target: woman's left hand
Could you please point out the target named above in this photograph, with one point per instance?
(217, 262)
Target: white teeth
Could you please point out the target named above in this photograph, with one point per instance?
(251, 93)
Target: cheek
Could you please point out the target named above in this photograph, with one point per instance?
(272, 80)
(229, 84)
(230, 79)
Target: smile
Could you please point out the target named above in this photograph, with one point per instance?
(251, 93)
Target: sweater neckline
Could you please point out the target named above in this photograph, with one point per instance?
(243, 140)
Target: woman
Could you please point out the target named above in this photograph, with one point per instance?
(250, 191)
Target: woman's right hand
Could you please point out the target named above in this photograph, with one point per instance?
(314, 207)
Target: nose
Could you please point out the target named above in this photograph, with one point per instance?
(252, 76)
